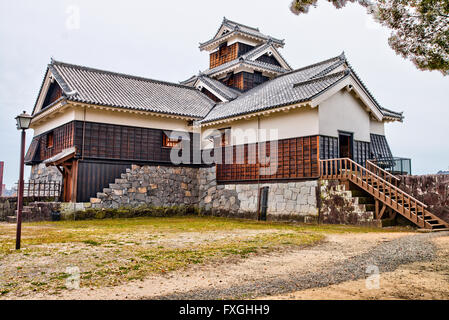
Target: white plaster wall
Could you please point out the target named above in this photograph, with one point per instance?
(342, 111)
(295, 123)
(57, 120)
(110, 117)
(377, 127)
(132, 119)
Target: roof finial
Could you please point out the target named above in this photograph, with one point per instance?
(343, 56)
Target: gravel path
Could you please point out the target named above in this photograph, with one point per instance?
(386, 256)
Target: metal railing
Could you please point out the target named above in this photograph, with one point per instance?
(44, 190)
(395, 165)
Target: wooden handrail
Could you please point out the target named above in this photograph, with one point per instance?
(382, 190)
(384, 172)
(377, 177)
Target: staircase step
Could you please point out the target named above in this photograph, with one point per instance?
(438, 226)
(432, 230)
(366, 200)
(11, 219)
(409, 210)
(23, 211)
(358, 193)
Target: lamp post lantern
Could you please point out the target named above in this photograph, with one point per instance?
(23, 123)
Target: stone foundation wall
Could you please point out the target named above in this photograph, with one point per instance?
(151, 185)
(286, 201)
(42, 173)
(177, 186)
(338, 206)
(433, 190)
(8, 207)
(40, 211)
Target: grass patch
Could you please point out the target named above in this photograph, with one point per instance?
(91, 242)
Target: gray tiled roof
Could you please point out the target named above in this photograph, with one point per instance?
(238, 27)
(250, 54)
(392, 114)
(222, 89)
(293, 87)
(243, 60)
(107, 88)
(100, 87)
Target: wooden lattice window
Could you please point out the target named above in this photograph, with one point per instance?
(170, 142)
(50, 139)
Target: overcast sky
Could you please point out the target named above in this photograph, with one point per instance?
(159, 39)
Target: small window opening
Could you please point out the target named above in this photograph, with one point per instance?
(169, 142)
(50, 140)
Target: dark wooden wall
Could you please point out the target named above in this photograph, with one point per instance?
(53, 94)
(94, 176)
(108, 141)
(328, 147)
(103, 141)
(210, 95)
(228, 53)
(297, 159)
(361, 152)
(224, 54)
(63, 138)
(245, 81)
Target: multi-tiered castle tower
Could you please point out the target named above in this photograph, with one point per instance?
(241, 58)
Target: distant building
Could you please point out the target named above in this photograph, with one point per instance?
(2, 186)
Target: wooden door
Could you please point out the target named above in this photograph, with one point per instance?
(346, 145)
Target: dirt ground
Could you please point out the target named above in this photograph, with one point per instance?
(247, 261)
(337, 248)
(415, 281)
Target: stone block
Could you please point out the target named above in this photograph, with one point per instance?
(95, 200)
(118, 192)
(142, 190)
(207, 199)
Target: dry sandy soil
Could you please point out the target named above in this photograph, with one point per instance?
(412, 266)
(420, 280)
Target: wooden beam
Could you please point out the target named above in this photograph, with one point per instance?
(74, 180)
(376, 205)
(382, 211)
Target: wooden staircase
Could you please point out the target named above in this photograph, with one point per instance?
(384, 188)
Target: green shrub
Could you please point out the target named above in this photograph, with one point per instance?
(128, 212)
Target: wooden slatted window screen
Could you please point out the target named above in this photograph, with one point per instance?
(297, 159)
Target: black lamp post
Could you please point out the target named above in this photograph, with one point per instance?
(23, 123)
